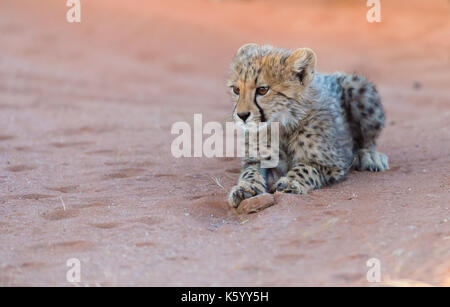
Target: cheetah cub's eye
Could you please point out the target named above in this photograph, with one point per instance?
(262, 90)
(236, 90)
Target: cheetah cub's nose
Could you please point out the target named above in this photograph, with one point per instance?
(243, 115)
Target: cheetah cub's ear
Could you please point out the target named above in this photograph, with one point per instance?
(302, 63)
(245, 49)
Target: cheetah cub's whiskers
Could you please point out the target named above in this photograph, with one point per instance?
(327, 123)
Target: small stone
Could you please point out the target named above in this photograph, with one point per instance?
(256, 203)
(417, 85)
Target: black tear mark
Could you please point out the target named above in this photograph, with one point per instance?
(263, 117)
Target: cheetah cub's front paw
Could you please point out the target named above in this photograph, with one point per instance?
(370, 160)
(287, 185)
(243, 191)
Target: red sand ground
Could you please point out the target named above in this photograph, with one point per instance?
(85, 117)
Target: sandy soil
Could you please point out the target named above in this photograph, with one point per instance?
(86, 169)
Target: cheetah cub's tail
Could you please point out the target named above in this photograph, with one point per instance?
(366, 119)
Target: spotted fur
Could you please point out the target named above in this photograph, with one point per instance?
(328, 123)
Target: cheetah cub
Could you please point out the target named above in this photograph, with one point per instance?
(327, 123)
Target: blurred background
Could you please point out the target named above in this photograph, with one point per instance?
(85, 164)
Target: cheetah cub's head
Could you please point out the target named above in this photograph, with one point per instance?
(269, 84)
